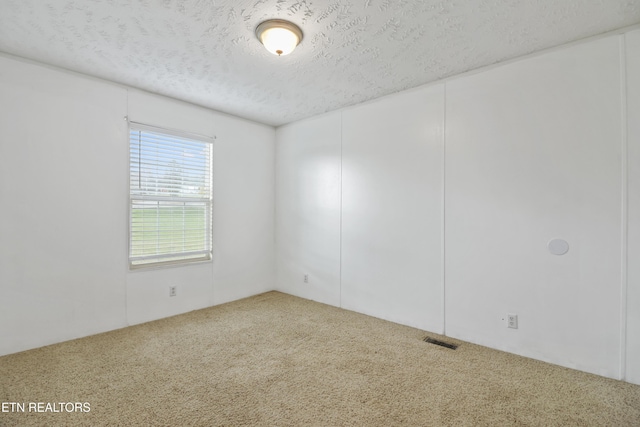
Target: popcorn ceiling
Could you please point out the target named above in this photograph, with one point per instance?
(205, 52)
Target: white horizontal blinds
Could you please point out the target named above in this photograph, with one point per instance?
(170, 193)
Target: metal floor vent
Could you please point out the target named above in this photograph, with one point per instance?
(440, 343)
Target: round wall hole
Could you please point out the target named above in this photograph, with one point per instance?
(558, 247)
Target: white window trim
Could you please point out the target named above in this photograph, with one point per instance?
(208, 256)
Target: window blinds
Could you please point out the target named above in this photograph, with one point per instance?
(170, 197)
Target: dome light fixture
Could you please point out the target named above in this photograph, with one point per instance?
(278, 36)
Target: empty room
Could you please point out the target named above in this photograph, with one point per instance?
(319, 212)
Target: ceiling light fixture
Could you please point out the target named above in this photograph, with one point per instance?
(278, 36)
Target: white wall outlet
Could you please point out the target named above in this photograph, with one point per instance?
(306, 278)
(173, 291)
(512, 321)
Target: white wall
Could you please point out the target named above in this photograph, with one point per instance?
(533, 150)
(63, 214)
(341, 175)
(391, 208)
(533, 154)
(632, 61)
(308, 179)
(64, 208)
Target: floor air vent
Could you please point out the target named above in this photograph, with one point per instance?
(440, 343)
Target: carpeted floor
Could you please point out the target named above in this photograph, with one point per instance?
(278, 360)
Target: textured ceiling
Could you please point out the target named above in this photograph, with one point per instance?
(205, 51)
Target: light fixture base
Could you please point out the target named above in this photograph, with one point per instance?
(278, 36)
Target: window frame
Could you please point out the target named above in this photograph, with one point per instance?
(155, 262)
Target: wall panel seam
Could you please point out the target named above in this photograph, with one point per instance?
(443, 213)
(625, 208)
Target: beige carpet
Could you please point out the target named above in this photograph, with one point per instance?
(278, 360)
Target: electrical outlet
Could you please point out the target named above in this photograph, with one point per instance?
(173, 291)
(512, 321)
(306, 278)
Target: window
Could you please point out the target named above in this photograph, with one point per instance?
(170, 197)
